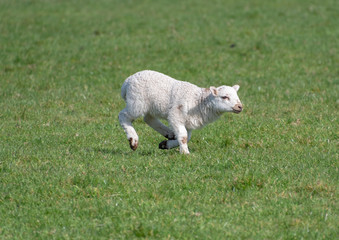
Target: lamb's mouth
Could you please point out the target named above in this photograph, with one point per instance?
(237, 111)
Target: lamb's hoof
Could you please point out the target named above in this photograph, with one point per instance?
(184, 150)
(133, 144)
(163, 145)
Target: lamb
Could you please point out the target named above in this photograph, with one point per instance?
(185, 106)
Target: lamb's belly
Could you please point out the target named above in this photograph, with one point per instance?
(159, 111)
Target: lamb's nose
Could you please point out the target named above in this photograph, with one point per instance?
(237, 107)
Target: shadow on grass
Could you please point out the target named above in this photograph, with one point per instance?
(117, 151)
(111, 151)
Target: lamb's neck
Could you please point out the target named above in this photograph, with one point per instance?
(207, 110)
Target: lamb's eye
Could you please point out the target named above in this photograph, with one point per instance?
(225, 97)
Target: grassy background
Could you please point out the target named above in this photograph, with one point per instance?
(66, 170)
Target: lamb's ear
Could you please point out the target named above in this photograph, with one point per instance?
(214, 91)
(236, 87)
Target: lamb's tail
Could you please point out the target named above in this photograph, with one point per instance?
(124, 90)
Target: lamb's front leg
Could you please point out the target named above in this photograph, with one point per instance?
(181, 132)
(177, 119)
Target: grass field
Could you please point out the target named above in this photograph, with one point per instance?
(66, 169)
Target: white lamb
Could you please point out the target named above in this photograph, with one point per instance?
(185, 106)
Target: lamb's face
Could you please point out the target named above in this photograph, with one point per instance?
(226, 99)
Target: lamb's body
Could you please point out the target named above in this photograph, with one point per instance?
(157, 94)
(154, 95)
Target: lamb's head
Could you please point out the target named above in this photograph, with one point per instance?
(225, 99)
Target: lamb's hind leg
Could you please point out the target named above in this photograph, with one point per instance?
(126, 123)
(168, 144)
(159, 127)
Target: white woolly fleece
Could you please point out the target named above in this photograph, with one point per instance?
(186, 107)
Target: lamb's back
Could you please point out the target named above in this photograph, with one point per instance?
(157, 91)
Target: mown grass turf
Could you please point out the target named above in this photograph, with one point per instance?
(66, 170)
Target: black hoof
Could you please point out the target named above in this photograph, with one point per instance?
(163, 145)
(133, 146)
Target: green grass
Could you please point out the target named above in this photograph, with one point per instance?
(66, 170)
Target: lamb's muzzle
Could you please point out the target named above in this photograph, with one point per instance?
(237, 108)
